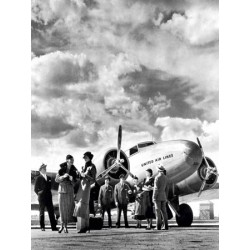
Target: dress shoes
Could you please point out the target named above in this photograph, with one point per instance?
(127, 226)
(117, 226)
(54, 229)
(43, 229)
(65, 230)
(60, 230)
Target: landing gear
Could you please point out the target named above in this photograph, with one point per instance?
(186, 216)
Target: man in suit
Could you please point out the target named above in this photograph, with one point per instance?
(121, 200)
(160, 195)
(106, 197)
(43, 190)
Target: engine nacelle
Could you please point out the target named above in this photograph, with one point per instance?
(110, 158)
(193, 183)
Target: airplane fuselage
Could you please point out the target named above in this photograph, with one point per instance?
(180, 158)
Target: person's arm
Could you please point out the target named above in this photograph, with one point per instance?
(129, 189)
(112, 194)
(115, 196)
(90, 174)
(156, 189)
(37, 188)
(59, 178)
(167, 187)
(100, 197)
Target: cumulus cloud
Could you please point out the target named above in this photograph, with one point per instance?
(49, 127)
(159, 103)
(190, 129)
(70, 11)
(97, 64)
(197, 26)
(51, 73)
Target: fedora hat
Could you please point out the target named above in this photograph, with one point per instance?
(42, 166)
(161, 168)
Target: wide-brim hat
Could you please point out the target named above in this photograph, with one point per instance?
(42, 166)
(89, 155)
(161, 168)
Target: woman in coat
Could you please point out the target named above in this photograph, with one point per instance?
(82, 211)
(66, 178)
(82, 206)
(148, 184)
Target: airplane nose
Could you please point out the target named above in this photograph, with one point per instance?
(193, 154)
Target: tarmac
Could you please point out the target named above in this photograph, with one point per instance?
(201, 235)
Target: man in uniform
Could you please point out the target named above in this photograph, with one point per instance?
(121, 200)
(43, 190)
(106, 197)
(160, 195)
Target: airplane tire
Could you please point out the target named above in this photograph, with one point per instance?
(186, 216)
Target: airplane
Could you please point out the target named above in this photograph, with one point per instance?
(187, 167)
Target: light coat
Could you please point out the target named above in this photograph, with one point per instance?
(161, 188)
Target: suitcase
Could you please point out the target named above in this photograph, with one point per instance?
(95, 223)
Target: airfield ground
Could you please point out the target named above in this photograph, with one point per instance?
(201, 235)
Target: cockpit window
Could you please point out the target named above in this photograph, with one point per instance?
(145, 144)
(136, 148)
(133, 150)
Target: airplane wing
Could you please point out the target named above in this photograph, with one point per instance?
(210, 194)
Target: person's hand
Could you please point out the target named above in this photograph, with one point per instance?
(40, 192)
(116, 204)
(99, 205)
(82, 174)
(65, 175)
(129, 191)
(70, 177)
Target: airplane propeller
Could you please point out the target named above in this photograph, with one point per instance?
(118, 162)
(119, 142)
(209, 171)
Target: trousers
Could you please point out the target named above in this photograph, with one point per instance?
(161, 211)
(120, 208)
(50, 208)
(107, 208)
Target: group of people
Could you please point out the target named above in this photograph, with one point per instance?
(150, 194)
(73, 199)
(74, 196)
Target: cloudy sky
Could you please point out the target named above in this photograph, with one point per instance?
(149, 65)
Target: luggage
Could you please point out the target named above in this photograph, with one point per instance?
(95, 223)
